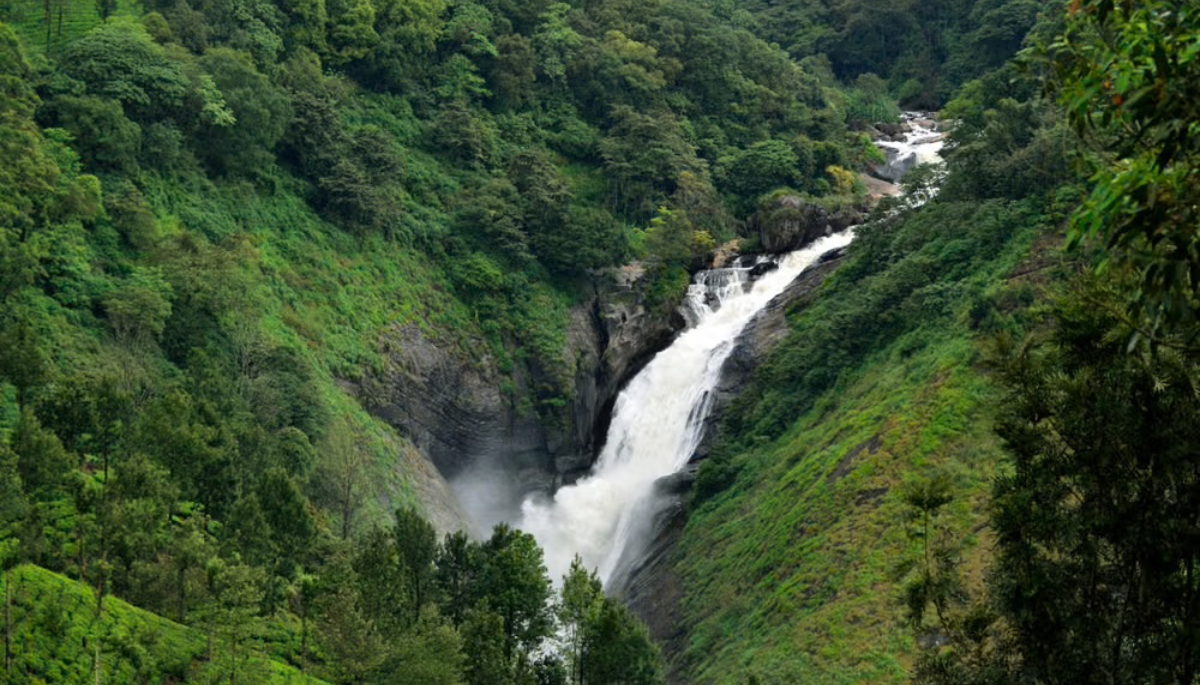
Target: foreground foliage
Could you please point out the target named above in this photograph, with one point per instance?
(1094, 579)
(59, 633)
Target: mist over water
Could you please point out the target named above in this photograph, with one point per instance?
(657, 422)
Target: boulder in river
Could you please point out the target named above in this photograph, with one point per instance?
(899, 162)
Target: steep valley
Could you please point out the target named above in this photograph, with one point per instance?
(494, 342)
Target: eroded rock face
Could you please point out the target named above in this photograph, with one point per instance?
(899, 162)
(766, 330)
(651, 587)
(448, 401)
(451, 408)
(791, 223)
(621, 336)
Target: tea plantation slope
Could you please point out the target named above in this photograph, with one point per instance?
(58, 636)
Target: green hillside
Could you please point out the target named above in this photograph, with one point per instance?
(801, 540)
(47, 28)
(973, 459)
(970, 460)
(214, 217)
(800, 544)
(60, 633)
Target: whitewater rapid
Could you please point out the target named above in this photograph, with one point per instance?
(658, 421)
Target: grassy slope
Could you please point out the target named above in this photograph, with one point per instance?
(69, 19)
(800, 559)
(333, 297)
(791, 571)
(55, 629)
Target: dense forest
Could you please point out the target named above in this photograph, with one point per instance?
(213, 211)
(975, 434)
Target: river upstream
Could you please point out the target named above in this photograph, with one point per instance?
(659, 417)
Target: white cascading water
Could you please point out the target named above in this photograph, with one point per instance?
(657, 421)
(921, 145)
(922, 142)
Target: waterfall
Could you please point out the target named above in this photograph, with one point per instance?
(657, 420)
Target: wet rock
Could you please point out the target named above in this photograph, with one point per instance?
(790, 223)
(832, 255)
(762, 268)
(894, 130)
(927, 139)
(627, 335)
(725, 254)
(899, 162)
(450, 406)
(766, 330)
(651, 586)
(448, 401)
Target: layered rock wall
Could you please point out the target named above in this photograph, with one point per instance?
(449, 403)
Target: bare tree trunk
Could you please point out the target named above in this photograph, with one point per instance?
(8, 626)
(347, 506)
(49, 24)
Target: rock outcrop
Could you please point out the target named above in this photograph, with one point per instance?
(899, 161)
(897, 140)
(448, 401)
(790, 223)
(766, 330)
(650, 586)
(611, 344)
(450, 406)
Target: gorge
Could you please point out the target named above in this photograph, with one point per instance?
(658, 420)
(333, 333)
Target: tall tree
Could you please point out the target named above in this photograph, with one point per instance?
(459, 567)
(483, 638)
(619, 650)
(428, 653)
(416, 550)
(581, 600)
(234, 616)
(349, 637)
(1097, 559)
(516, 587)
(1129, 77)
(13, 508)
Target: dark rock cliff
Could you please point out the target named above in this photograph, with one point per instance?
(449, 403)
(623, 336)
(790, 222)
(451, 406)
(766, 330)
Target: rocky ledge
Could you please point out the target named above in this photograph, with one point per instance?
(448, 401)
(791, 222)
